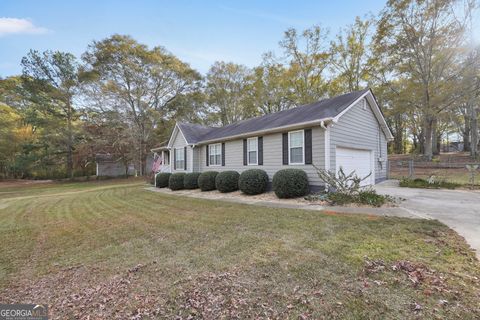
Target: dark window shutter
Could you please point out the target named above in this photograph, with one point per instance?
(185, 157)
(285, 148)
(244, 152)
(223, 153)
(260, 150)
(308, 146)
(206, 152)
(174, 159)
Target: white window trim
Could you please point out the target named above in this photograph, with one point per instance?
(303, 148)
(176, 167)
(248, 150)
(210, 154)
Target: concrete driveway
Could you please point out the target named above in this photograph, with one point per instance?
(458, 209)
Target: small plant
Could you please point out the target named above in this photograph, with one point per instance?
(253, 181)
(341, 182)
(366, 196)
(176, 181)
(472, 168)
(427, 184)
(290, 183)
(313, 197)
(432, 179)
(162, 179)
(340, 199)
(206, 180)
(190, 180)
(372, 198)
(227, 181)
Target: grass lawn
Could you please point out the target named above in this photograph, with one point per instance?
(114, 250)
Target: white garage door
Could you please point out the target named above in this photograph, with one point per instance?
(358, 160)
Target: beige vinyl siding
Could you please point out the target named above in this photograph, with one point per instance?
(272, 156)
(196, 158)
(359, 128)
(179, 142)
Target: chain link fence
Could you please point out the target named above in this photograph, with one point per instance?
(456, 170)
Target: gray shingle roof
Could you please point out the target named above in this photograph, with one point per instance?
(194, 132)
(328, 108)
(104, 157)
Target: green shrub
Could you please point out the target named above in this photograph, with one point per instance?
(206, 180)
(176, 181)
(253, 181)
(290, 183)
(422, 183)
(162, 179)
(340, 198)
(191, 180)
(371, 197)
(227, 181)
(364, 196)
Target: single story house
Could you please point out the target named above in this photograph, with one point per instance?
(347, 131)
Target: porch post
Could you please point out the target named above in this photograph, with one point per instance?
(163, 159)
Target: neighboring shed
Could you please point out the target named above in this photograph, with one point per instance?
(110, 166)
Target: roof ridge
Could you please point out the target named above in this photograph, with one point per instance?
(294, 108)
(322, 109)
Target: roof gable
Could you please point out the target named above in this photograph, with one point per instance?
(372, 101)
(175, 132)
(193, 132)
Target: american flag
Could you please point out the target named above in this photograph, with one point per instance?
(157, 163)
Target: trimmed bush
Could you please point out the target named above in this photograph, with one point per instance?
(206, 180)
(290, 183)
(162, 179)
(253, 181)
(176, 181)
(227, 181)
(191, 180)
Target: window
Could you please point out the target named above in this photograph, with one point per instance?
(179, 159)
(252, 151)
(295, 147)
(215, 154)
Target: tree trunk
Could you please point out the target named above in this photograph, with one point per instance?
(466, 131)
(69, 141)
(427, 142)
(435, 149)
(415, 144)
(466, 140)
(398, 139)
(439, 143)
(474, 132)
(140, 160)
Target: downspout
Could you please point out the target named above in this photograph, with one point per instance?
(193, 147)
(170, 157)
(327, 160)
(155, 174)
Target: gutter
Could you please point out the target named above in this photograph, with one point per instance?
(272, 130)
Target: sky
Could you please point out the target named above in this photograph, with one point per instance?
(198, 32)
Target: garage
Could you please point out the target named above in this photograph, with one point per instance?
(358, 160)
